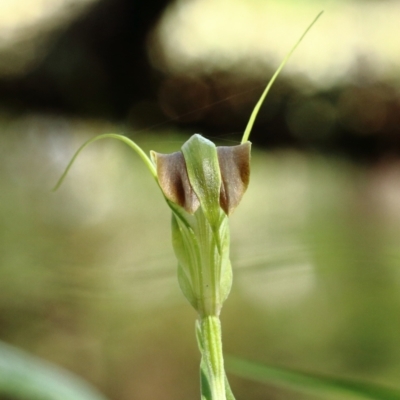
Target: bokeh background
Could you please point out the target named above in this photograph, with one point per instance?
(87, 274)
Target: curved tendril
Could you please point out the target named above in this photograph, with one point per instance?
(129, 142)
(257, 107)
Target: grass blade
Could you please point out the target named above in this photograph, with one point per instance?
(28, 377)
(308, 382)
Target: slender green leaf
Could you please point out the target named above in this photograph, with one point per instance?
(28, 377)
(309, 382)
(257, 107)
(129, 142)
(204, 381)
(228, 390)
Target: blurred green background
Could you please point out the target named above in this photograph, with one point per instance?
(87, 274)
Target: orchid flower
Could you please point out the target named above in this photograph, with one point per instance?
(203, 184)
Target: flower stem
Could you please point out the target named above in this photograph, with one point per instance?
(210, 342)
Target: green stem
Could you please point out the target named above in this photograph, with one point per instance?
(211, 348)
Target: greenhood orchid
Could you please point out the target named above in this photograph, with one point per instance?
(202, 185)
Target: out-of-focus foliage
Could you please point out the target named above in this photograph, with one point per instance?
(26, 377)
(311, 383)
(88, 278)
(28, 30)
(210, 34)
(146, 62)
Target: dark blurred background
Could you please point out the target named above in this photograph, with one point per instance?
(144, 63)
(87, 275)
